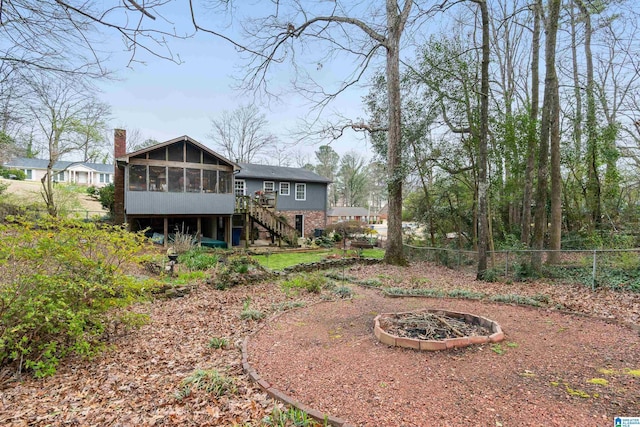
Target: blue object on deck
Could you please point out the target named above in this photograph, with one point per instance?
(235, 236)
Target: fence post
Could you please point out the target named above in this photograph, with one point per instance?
(506, 265)
(593, 283)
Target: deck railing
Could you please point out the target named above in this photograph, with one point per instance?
(266, 217)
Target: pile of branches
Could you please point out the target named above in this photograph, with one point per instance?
(431, 326)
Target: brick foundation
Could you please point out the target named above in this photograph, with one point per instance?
(312, 220)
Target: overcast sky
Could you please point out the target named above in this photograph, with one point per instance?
(164, 100)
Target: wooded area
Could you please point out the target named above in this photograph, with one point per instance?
(561, 160)
(505, 122)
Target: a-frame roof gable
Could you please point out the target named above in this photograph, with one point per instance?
(184, 138)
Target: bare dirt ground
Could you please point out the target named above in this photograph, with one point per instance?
(326, 356)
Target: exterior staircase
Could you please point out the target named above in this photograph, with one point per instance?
(265, 217)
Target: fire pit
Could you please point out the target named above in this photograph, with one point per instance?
(433, 330)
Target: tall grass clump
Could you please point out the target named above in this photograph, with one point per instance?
(198, 259)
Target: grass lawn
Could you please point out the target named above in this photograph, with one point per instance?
(279, 261)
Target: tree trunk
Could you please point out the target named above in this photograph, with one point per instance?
(483, 185)
(532, 140)
(555, 230)
(594, 201)
(394, 252)
(540, 224)
(47, 190)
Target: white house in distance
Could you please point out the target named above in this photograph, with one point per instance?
(348, 213)
(81, 173)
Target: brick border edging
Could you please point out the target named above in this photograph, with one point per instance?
(276, 393)
(437, 345)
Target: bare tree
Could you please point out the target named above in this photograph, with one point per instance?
(242, 134)
(90, 128)
(299, 159)
(57, 108)
(61, 36)
(279, 155)
(338, 29)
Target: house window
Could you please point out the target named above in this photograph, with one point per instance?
(176, 152)
(176, 180)
(104, 178)
(193, 154)
(285, 189)
(224, 182)
(29, 173)
(240, 187)
(157, 154)
(157, 178)
(210, 181)
(301, 191)
(269, 186)
(59, 177)
(137, 178)
(192, 182)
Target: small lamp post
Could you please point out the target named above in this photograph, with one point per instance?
(173, 260)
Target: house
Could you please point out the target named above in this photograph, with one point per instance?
(82, 173)
(383, 214)
(183, 185)
(346, 213)
(300, 195)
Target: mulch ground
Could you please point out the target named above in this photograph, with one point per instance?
(139, 380)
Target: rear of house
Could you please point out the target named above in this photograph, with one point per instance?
(182, 185)
(300, 194)
(176, 186)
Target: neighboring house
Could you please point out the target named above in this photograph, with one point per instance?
(185, 186)
(344, 213)
(82, 173)
(383, 214)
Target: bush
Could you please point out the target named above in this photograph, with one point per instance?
(93, 191)
(198, 259)
(324, 242)
(236, 270)
(13, 174)
(181, 241)
(59, 281)
(106, 197)
(312, 283)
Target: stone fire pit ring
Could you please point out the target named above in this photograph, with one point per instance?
(385, 337)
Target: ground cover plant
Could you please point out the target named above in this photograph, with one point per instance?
(60, 282)
(155, 369)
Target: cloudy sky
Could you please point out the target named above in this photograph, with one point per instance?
(164, 100)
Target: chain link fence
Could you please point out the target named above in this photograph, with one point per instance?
(614, 268)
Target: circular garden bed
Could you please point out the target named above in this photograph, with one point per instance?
(433, 330)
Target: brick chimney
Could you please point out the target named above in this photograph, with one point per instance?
(119, 150)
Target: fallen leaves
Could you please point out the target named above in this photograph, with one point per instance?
(134, 383)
